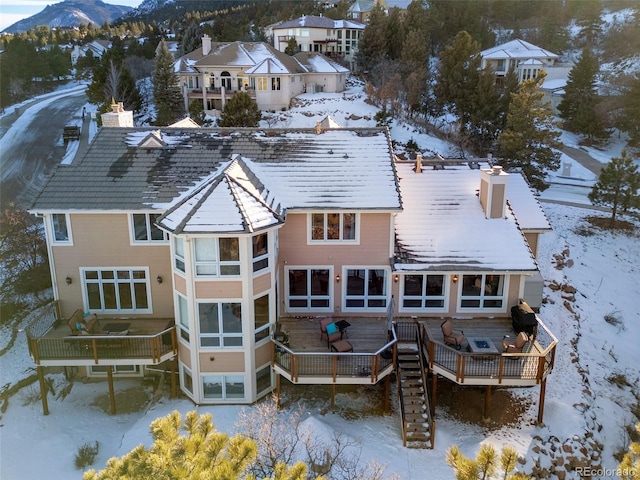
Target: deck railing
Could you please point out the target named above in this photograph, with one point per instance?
(500, 369)
(334, 367)
(99, 349)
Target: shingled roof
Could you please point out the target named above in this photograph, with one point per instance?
(303, 169)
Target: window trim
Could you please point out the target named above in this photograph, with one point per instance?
(184, 334)
(67, 220)
(186, 370)
(261, 257)
(309, 297)
(219, 264)
(116, 281)
(177, 256)
(366, 297)
(221, 335)
(482, 298)
(223, 381)
(325, 241)
(149, 227)
(423, 297)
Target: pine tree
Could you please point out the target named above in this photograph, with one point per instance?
(485, 465)
(529, 141)
(372, 47)
(240, 111)
(292, 47)
(202, 453)
(617, 186)
(579, 104)
(485, 116)
(457, 77)
(628, 121)
(113, 81)
(166, 88)
(629, 468)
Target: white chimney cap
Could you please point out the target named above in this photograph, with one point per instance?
(497, 170)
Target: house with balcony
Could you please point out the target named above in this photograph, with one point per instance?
(337, 39)
(97, 47)
(215, 72)
(219, 254)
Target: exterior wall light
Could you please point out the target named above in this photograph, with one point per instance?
(159, 279)
(68, 280)
(396, 278)
(455, 279)
(338, 278)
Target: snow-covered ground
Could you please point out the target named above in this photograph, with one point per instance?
(583, 408)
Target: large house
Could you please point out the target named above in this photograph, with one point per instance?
(253, 242)
(96, 48)
(337, 39)
(215, 72)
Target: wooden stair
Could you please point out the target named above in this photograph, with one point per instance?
(417, 424)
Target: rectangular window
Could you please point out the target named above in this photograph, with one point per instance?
(482, 291)
(117, 369)
(339, 34)
(261, 318)
(183, 317)
(223, 387)
(60, 228)
(422, 292)
(263, 83)
(187, 379)
(308, 289)
(144, 230)
(275, 83)
(220, 324)
(263, 379)
(348, 32)
(217, 257)
(260, 252)
(329, 227)
(178, 253)
(366, 288)
(117, 290)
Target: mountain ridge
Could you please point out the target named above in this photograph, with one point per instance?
(71, 13)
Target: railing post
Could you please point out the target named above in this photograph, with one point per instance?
(43, 390)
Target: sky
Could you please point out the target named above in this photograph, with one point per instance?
(580, 400)
(12, 11)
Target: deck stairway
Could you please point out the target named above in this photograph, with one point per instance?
(417, 422)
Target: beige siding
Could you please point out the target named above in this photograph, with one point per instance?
(514, 290)
(222, 362)
(497, 200)
(263, 355)
(180, 284)
(184, 354)
(261, 283)
(108, 234)
(218, 289)
(532, 240)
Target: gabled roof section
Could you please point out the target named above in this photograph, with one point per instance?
(229, 202)
(443, 225)
(244, 55)
(518, 49)
(319, 63)
(186, 122)
(311, 21)
(525, 205)
(339, 168)
(267, 67)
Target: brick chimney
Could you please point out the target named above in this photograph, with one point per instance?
(206, 44)
(493, 191)
(118, 117)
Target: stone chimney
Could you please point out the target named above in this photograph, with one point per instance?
(206, 44)
(118, 117)
(493, 191)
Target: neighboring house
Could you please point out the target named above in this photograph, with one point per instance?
(216, 71)
(528, 60)
(97, 48)
(235, 233)
(360, 10)
(337, 39)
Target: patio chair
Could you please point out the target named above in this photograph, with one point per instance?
(80, 325)
(331, 333)
(452, 337)
(509, 346)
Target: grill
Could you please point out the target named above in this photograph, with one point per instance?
(524, 319)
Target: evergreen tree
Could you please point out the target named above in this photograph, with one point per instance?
(240, 111)
(579, 104)
(486, 114)
(372, 47)
(394, 34)
(628, 121)
(166, 88)
(292, 47)
(201, 453)
(629, 468)
(196, 112)
(530, 139)
(457, 78)
(113, 81)
(487, 465)
(617, 186)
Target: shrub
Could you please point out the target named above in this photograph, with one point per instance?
(86, 455)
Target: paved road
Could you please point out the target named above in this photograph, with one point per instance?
(584, 159)
(31, 144)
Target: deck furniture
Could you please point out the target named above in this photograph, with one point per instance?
(332, 335)
(120, 328)
(80, 325)
(342, 327)
(341, 346)
(481, 345)
(515, 346)
(452, 337)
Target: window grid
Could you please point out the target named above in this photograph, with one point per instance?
(223, 387)
(220, 325)
(423, 292)
(366, 288)
(117, 290)
(216, 257)
(144, 230)
(308, 289)
(60, 228)
(260, 249)
(261, 317)
(482, 291)
(332, 227)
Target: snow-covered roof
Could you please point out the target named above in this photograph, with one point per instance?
(518, 49)
(311, 21)
(443, 225)
(319, 63)
(524, 203)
